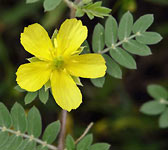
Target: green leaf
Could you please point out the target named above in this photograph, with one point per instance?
(19, 118)
(98, 82)
(28, 145)
(31, 1)
(19, 89)
(24, 144)
(85, 143)
(43, 95)
(86, 1)
(30, 96)
(50, 4)
(13, 142)
(86, 49)
(79, 12)
(95, 9)
(70, 143)
(163, 120)
(123, 58)
(125, 26)
(90, 15)
(3, 138)
(34, 122)
(5, 117)
(157, 91)
(10, 140)
(98, 38)
(47, 85)
(111, 29)
(100, 146)
(149, 38)
(113, 69)
(143, 23)
(152, 108)
(33, 59)
(77, 80)
(54, 36)
(51, 132)
(41, 147)
(137, 48)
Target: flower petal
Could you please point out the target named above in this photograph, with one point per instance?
(66, 94)
(32, 76)
(86, 66)
(70, 36)
(36, 41)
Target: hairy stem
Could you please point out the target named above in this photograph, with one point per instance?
(119, 43)
(72, 6)
(61, 140)
(30, 137)
(84, 133)
(73, 9)
(63, 130)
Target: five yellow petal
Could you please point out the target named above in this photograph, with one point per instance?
(59, 63)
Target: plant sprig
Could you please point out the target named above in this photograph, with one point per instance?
(121, 40)
(157, 106)
(18, 131)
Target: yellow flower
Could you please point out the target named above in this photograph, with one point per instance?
(58, 62)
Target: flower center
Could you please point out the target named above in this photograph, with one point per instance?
(59, 62)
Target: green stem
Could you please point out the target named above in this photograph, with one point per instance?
(163, 101)
(17, 133)
(119, 43)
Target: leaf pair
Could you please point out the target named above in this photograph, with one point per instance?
(123, 40)
(31, 96)
(47, 4)
(92, 10)
(24, 129)
(158, 106)
(85, 144)
(21, 131)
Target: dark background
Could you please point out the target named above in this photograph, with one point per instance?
(114, 108)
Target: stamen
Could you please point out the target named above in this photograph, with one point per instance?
(59, 62)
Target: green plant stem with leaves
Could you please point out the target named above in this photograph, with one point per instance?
(120, 40)
(19, 129)
(31, 138)
(119, 43)
(61, 140)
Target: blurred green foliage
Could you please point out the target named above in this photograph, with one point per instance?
(114, 108)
